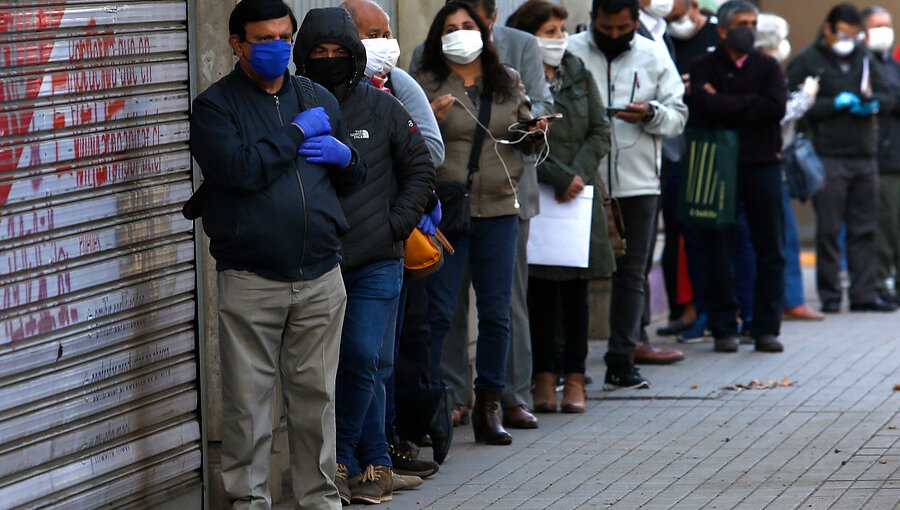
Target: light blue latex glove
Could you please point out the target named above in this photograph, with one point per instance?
(866, 109)
(846, 100)
(327, 150)
(426, 225)
(313, 122)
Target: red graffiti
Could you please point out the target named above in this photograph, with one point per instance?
(43, 322)
(30, 20)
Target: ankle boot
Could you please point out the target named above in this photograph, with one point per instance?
(545, 392)
(573, 394)
(486, 420)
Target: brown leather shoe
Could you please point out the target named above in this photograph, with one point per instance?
(802, 313)
(460, 414)
(544, 392)
(486, 421)
(574, 396)
(646, 354)
(518, 417)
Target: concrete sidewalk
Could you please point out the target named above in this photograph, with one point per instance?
(830, 440)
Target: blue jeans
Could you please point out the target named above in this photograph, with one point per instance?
(793, 273)
(744, 265)
(490, 249)
(367, 361)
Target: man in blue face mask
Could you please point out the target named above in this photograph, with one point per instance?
(276, 159)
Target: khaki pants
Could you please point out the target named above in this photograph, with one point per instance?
(266, 325)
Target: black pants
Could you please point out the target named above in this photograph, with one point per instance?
(759, 186)
(544, 298)
(628, 282)
(850, 197)
(413, 392)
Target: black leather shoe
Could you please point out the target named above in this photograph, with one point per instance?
(726, 344)
(831, 306)
(769, 343)
(879, 305)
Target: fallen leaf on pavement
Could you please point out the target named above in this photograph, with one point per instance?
(756, 384)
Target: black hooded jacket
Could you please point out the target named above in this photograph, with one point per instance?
(268, 210)
(399, 171)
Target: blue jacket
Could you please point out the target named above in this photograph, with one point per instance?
(268, 210)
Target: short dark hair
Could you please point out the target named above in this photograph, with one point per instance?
(489, 5)
(531, 15)
(729, 10)
(248, 11)
(846, 13)
(615, 7)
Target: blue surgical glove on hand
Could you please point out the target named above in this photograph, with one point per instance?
(846, 100)
(313, 122)
(866, 109)
(327, 150)
(436, 213)
(430, 220)
(426, 225)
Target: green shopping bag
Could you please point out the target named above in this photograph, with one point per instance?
(708, 194)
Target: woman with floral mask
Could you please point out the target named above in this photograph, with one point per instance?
(579, 140)
(459, 71)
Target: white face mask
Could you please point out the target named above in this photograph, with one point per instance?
(783, 51)
(843, 47)
(552, 50)
(660, 8)
(381, 55)
(683, 28)
(462, 46)
(881, 39)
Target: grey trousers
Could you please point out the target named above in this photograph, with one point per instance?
(889, 230)
(294, 328)
(850, 197)
(455, 365)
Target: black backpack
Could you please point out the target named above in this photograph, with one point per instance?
(306, 93)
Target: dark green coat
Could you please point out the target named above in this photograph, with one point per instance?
(578, 142)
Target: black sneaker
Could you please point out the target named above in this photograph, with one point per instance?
(405, 458)
(624, 377)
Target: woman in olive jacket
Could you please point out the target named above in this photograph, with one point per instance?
(458, 64)
(578, 143)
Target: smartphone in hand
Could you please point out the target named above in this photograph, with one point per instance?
(533, 122)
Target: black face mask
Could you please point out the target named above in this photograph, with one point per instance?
(333, 73)
(741, 39)
(612, 47)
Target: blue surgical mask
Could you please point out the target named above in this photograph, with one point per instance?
(270, 59)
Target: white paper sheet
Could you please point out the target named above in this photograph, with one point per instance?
(561, 234)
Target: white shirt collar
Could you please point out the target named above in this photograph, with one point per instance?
(656, 26)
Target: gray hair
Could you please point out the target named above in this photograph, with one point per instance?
(868, 12)
(729, 10)
(771, 29)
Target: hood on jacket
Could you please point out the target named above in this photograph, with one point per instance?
(330, 25)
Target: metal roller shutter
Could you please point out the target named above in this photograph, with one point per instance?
(99, 386)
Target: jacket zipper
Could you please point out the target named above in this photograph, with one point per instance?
(302, 192)
(610, 88)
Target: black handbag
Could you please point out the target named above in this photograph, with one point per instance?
(454, 196)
